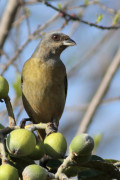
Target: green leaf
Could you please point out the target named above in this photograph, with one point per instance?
(17, 86)
(27, 11)
(53, 164)
(1, 126)
(91, 174)
(112, 161)
(96, 158)
(88, 173)
(115, 19)
(86, 2)
(59, 6)
(97, 139)
(99, 18)
(20, 163)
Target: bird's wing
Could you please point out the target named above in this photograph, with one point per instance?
(66, 85)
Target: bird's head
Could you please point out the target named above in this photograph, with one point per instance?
(52, 44)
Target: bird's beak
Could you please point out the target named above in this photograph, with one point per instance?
(69, 42)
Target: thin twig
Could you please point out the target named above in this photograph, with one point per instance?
(10, 112)
(99, 94)
(2, 150)
(86, 56)
(30, 127)
(83, 107)
(33, 35)
(27, 20)
(76, 18)
(96, 2)
(64, 165)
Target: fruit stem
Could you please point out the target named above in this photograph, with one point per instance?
(64, 165)
(10, 112)
(34, 127)
(2, 150)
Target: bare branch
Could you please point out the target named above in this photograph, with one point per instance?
(7, 20)
(10, 112)
(83, 107)
(99, 94)
(91, 52)
(76, 18)
(64, 165)
(2, 150)
(33, 35)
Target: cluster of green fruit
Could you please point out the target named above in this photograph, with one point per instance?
(23, 149)
(21, 143)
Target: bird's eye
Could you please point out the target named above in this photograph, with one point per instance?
(56, 37)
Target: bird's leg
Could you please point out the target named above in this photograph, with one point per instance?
(23, 122)
(52, 127)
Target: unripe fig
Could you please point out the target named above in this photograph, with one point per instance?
(4, 88)
(55, 145)
(38, 152)
(21, 142)
(34, 172)
(8, 172)
(82, 144)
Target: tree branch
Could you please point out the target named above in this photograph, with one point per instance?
(2, 150)
(7, 20)
(87, 55)
(84, 107)
(76, 18)
(10, 112)
(99, 94)
(30, 37)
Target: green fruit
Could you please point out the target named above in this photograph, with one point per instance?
(82, 144)
(38, 152)
(34, 172)
(21, 142)
(55, 145)
(8, 172)
(4, 88)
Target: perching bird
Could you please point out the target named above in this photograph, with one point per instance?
(44, 80)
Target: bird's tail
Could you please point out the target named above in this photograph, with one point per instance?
(41, 133)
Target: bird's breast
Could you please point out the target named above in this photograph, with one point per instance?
(43, 88)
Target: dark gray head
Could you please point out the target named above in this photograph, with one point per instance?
(52, 44)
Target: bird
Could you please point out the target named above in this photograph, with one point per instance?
(44, 80)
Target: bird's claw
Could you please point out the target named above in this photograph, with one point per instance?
(51, 127)
(23, 122)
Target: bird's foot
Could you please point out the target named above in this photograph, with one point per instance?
(23, 122)
(51, 127)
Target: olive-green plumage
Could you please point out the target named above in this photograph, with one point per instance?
(44, 81)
